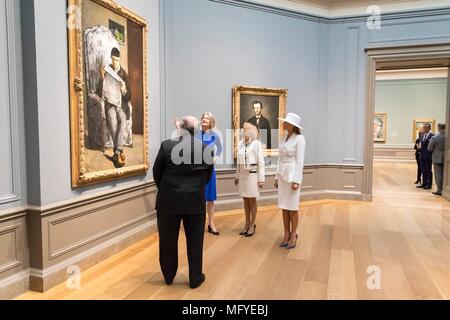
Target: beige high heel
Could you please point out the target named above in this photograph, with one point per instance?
(294, 245)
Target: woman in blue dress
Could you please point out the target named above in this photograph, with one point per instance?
(210, 137)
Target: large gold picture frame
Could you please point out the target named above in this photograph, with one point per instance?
(88, 166)
(274, 107)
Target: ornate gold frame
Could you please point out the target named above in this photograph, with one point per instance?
(76, 77)
(237, 91)
(428, 120)
(384, 114)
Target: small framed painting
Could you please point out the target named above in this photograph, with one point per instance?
(118, 31)
(419, 123)
(379, 127)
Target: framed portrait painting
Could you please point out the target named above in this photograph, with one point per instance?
(418, 124)
(108, 92)
(261, 107)
(379, 127)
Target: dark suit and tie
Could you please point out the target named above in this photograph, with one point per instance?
(263, 126)
(426, 161)
(182, 169)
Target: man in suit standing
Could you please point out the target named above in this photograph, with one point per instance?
(426, 158)
(417, 155)
(261, 123)
(437, 146)
(182, 168)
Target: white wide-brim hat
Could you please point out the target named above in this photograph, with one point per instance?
(293, 119)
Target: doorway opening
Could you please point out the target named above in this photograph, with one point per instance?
(407, 87)
(406, 101)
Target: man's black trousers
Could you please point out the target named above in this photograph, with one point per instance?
(427, 173)
(169, 229)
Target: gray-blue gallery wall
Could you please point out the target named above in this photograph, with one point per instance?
(344, 130)
(212, 45)
(407, 100)
(13, 190)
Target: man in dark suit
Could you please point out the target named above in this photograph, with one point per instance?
(261, 123)
(182, 168)
(417, 154)
(426, 161)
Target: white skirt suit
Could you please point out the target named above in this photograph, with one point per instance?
(290, 170)
(250, 168)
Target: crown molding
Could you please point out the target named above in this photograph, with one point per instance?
(279, 8)
(345, 8)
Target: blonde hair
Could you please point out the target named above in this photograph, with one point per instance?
(212, 119)
(252, 131)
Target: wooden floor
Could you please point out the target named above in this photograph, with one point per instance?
(405, 232)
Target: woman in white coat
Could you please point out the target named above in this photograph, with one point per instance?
(250, 175)
(290, 176)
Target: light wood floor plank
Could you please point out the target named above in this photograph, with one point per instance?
(342, 282)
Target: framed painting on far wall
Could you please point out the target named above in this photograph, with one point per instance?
(261, 107)
(379, 127)
(108, 92)
(418, 123)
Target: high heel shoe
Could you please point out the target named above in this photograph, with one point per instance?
(244, 232)
(210, 230)
(284, 244)
(292, 246)
(251, 234)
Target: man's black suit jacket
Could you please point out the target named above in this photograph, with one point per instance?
(425, 154)
(264, 128)
(417, 149)
(182, 169)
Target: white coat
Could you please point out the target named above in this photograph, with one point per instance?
(248, 155)
(291, 159)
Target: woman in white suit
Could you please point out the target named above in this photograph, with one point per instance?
(250, 175)
(290, 176)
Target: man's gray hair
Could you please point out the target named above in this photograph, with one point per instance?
(189, 124)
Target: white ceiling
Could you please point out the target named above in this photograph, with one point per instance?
(340, 8)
